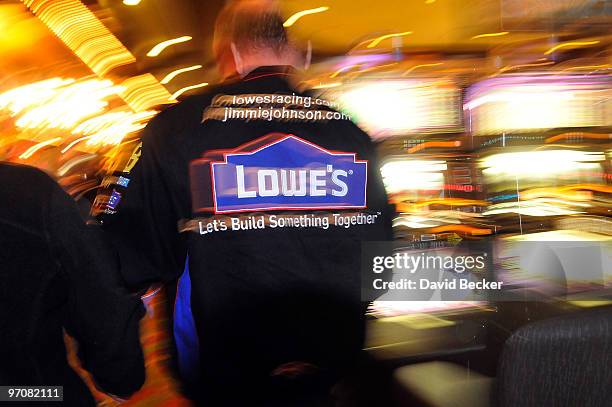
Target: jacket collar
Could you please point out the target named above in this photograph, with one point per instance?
(270, 71)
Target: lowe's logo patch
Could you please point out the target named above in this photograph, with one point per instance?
(287, 173)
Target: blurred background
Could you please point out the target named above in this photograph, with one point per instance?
(492, 119)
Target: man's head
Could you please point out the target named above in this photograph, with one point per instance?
(253, 31)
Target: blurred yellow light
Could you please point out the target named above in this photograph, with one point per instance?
(570, 44)
(28, 153)
(185, 89)
(421, 66)
(157, 49)
(562, 193)
(327, 85)
(177, 72)
(508, 68)
(291, 20)
(110, 128)
(428, 144)
(461, 228)
(591, 303)
(74, 143)
(378, 40)
(575, 68)
(131, 2)
(117, 128)
(63, 170)
(339, 71)
(498, 34)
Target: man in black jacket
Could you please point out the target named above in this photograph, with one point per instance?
(57, 273)
(263, 195)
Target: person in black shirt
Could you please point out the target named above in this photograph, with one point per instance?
(259, 197)
(56, 273)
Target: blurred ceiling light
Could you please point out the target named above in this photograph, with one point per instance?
(74, 24)
(114, 129)
(131, 2)
(74, 143)
(421, 66)
(187, 88)
(177, 72)
(70, 105)
(430, 1)
(157, 49)
(571, 44)
(77, 27)
(143, 92)
(498, 34)
(291, 20)
(378, 40)
(28, 153)
(18, 99)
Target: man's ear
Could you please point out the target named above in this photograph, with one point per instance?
(237, 59)
(308, 56)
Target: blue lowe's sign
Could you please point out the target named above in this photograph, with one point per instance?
(287, 173)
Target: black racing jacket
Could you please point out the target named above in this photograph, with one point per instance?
(264, 195)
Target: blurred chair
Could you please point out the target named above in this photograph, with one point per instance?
(563, 361)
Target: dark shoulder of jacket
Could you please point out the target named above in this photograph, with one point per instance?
(25, 180)
(176, 118)
(26, 193)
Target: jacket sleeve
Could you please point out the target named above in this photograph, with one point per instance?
(101, 314)
(376, 192)
(144, 229)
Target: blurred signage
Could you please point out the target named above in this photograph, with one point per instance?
(522, 103)
(385, 108)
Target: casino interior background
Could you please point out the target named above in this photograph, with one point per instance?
(492, 119)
